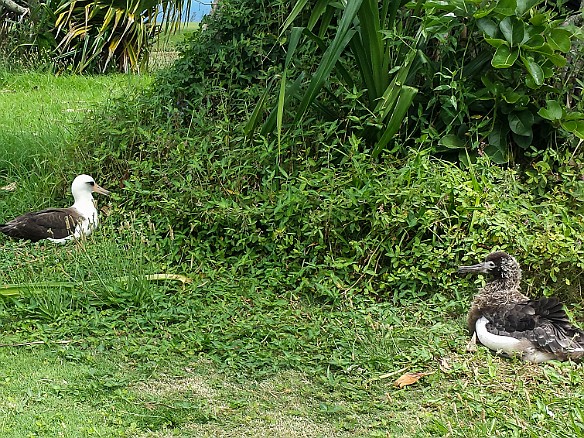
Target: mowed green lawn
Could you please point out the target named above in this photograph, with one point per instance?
(38, 116)
(102, 351)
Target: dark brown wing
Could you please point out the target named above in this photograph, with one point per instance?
(544, 322)
(55, 223)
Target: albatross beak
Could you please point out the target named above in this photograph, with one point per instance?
(481, 268)
(101, 190)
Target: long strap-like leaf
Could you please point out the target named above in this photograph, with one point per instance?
(331, 56)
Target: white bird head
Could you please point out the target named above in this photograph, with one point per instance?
(83, 186)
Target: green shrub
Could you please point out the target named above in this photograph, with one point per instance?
(395, 230)
(225, 62)
(470, 75)
(312, 205)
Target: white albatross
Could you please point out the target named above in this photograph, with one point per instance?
(60, 224)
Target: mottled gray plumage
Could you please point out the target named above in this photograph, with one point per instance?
(507, 321)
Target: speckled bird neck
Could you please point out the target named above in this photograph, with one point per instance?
(503, 288)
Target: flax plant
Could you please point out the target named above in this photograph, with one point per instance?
(97, 34)
(362, 54)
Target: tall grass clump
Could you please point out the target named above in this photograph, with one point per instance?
(317, 206)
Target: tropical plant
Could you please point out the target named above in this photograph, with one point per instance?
(482, 75)
(25, 38)
(97, 34)
(515, 97)
(84, 35)
(365, 41)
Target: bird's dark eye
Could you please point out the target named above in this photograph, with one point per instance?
(91, 183)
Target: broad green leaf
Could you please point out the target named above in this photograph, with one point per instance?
(496, 42)
(534, 69)
(549, 72)
(557, 60)
(549, 53)
(506, 7)
(511, 96)
(513, 30)
(530, 83)
(559, 39)
(504, 57)
(498, 154)
(452, 141)
(535, 42)
(520, 122)
(552, 111)
(574, 115)
(539, 19)
(579, 130)
(482, 13)
(523, 141)
(576, 127)
(488, 27)
(524, 5)
(498, 136)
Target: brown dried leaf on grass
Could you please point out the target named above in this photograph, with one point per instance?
(409, 379)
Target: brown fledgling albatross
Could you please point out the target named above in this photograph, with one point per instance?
(509, 323)
(60, 224)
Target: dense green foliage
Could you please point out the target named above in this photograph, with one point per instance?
(487, 77)
(313, 203)
(309, 256)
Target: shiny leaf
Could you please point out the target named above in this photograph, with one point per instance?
(504, 57)
(534, 69)
(559, 39)
(553, 111)
(513, 30)
(521, 122)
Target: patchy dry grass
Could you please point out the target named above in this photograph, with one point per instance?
(78, 391)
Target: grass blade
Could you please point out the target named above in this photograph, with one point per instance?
(298, 7)
(291, 91)
(403, 103)
(280, 113)
(12, 290)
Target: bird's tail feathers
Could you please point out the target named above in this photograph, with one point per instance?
(552, 309)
